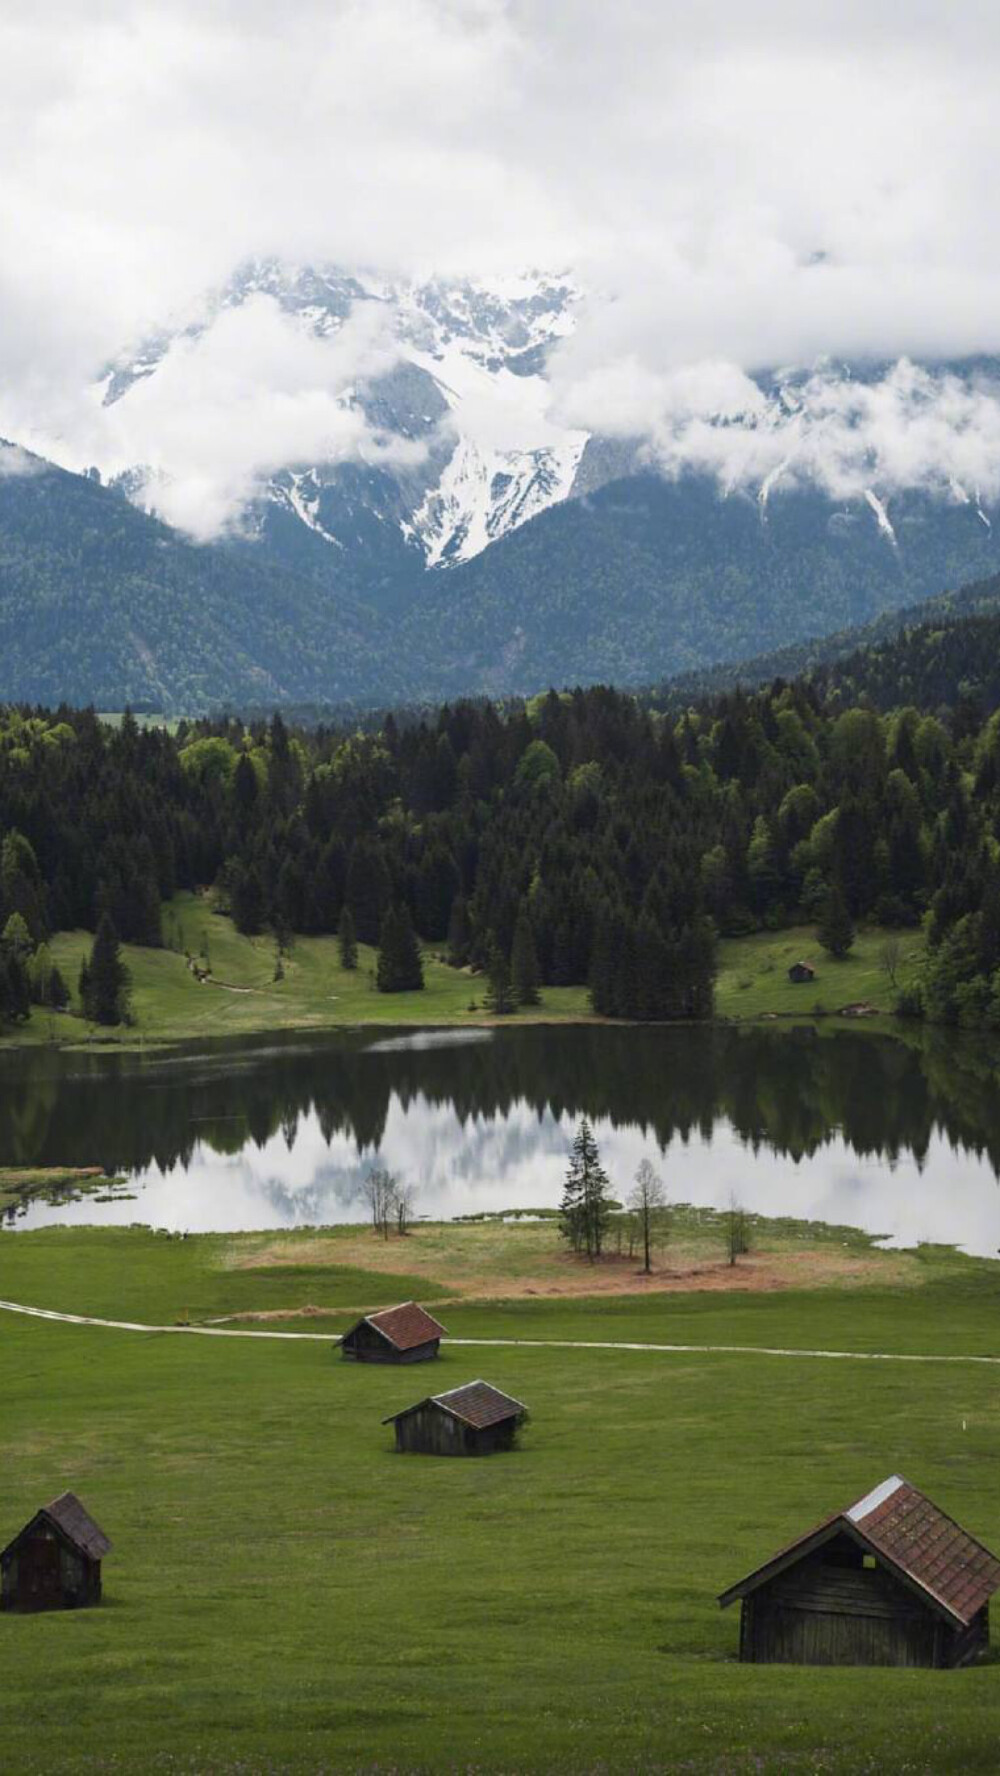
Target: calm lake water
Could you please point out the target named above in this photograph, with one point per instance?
(899, 1137)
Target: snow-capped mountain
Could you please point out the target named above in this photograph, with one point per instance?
(466, 384)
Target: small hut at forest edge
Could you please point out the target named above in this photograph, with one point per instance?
(55, 1560)
(889, 1581)
(476, 1419)
(404, 1334)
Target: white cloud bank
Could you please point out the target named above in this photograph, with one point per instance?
(254, 392)
(743, 186)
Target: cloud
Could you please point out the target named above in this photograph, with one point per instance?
(16, 463)
(907, 427)
(737, 187)
(254, 391)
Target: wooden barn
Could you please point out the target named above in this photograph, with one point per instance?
(889, 1581)
(476, 1419)
(55, 1560)
(404, 1334)
(801, 972)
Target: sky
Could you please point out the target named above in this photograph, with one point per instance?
(734, 186)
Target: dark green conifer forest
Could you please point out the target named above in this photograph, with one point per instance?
(581, 838)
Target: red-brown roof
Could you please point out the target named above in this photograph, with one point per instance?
(406, 1326)
(67, 1513)
(477, 1403)
(899, 1525)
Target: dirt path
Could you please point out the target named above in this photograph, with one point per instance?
(612, 1344)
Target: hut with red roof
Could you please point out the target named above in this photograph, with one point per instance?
(404, 1334)
(475, 1419)
(891, 1580)
(54, 1562)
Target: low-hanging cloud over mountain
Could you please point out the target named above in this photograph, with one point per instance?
(738, 189)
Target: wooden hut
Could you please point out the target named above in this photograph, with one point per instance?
(476, 1419)
(404, 1334)
(801, 971)
(889, 1581)
(55, 1560)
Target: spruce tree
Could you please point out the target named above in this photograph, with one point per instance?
(458, 934)
(347, 943)
(400, 968)
(836, 928)
(104, 979)
(524, 961)
(499, 996)
(585, 1208)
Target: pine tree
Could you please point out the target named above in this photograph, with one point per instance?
(369, 890)
(499, 997)
(458, 934)
(524, 961)
(836, 928)
(400, 968)
(104, 979)
(246, 899)
(45, 981)
(585, 1209)
(347, 943)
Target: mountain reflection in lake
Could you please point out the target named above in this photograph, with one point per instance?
(901, 1137)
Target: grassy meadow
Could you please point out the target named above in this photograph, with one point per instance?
(315, 993)
(287, 1594)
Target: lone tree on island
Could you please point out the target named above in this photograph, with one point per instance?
(736, 1227)
(379, 1189)
(836, 927)
(585, 1208)
(647, 1199)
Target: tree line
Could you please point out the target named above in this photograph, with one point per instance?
(577, 839)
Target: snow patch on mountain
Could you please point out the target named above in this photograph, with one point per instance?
(468, 384)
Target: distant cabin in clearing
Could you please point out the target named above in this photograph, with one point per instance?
(802, 971)
(55, 1560)
(889, 1581)
(404, 1334)
(476, 1419)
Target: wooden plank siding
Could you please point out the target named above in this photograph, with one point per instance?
(365, 1344)
(431, 1431)
(831, 1608)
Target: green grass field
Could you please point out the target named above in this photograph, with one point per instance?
(286, 1594)
(753, 973)
(170, 1005)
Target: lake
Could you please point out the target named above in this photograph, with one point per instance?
(900, 1137)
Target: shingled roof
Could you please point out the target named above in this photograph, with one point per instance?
(913, 1538)
(406, 1326)
(68, 1515)
(476, 1404)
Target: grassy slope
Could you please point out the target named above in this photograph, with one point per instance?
(753, 973)
(285, 1593)
(316, 993)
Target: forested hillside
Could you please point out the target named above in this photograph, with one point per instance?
(102, 604)
(649, 577)
(578, 839)
(819, 660)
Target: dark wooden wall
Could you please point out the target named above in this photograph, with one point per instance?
(42, 1571)
(832, 1609)
(365, 1345)
(430, 1431)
